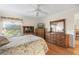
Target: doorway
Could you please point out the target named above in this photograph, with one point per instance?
(77, 38)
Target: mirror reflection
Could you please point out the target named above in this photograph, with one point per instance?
(57, 26)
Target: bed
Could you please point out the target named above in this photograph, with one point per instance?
(24, 45)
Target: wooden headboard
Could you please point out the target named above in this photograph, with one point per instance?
(28, 29)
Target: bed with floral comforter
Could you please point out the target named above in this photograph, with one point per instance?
(25, 45)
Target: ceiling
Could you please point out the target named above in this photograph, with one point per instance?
(27, 9)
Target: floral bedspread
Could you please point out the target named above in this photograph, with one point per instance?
(38, 47)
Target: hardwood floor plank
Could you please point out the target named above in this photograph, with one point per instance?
(56, 50)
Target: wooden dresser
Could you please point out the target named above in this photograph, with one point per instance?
(58, 39)
(40, 32)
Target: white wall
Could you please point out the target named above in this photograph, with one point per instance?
(69, 15)
(77, 21)
(30, 22)
(27, 21)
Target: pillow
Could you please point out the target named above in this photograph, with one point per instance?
(1, 34)
(3, 40)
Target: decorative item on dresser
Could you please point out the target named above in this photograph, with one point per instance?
(40, 30)
(28, 29)
(57, 33)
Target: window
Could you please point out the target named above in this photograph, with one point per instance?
(11, 27)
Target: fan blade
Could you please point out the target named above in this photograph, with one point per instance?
(31, 11)
(38, 6)
(43, 12)
(37, 14)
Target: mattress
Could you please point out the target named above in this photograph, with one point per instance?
(24, 45)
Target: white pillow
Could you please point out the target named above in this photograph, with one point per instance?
(1, 34)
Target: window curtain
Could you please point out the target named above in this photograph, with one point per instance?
(11, 27)
(0, 26)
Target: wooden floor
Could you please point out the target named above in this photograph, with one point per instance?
(56, 50)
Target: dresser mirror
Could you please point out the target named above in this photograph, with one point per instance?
(57, 26)
(57, 33)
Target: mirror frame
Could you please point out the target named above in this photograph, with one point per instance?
(57, 21)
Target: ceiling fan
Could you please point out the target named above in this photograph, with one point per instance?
(38, 10)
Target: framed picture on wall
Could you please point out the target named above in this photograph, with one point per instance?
(40, 25)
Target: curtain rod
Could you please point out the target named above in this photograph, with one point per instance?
(10, 18)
